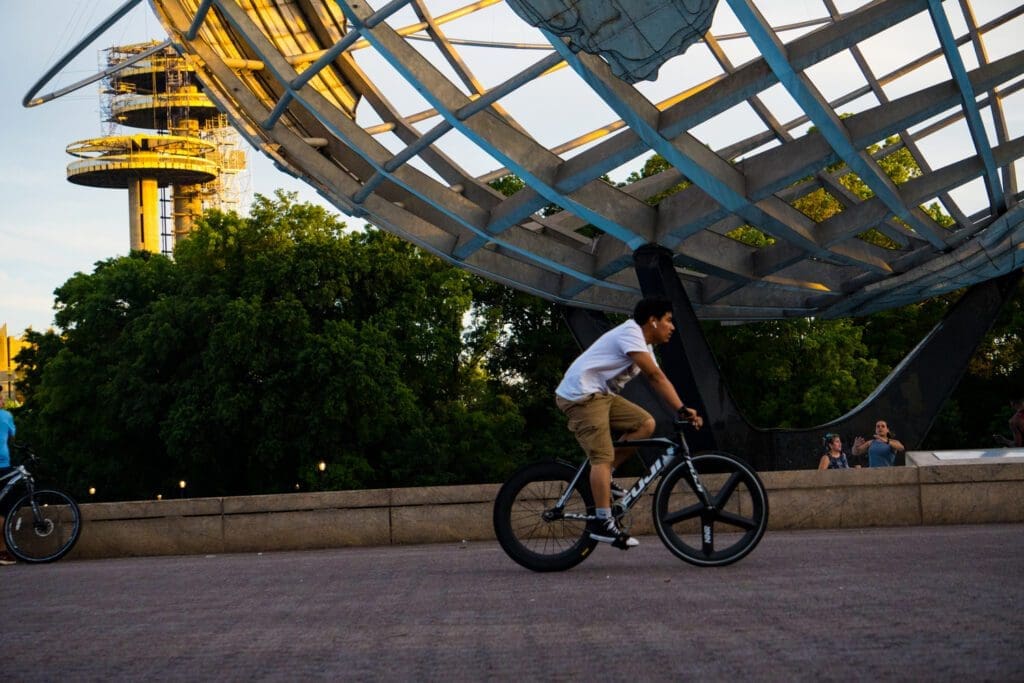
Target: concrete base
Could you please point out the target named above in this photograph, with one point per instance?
(953, 491)
(965, 457)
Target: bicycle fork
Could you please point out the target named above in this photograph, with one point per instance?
(707, 532)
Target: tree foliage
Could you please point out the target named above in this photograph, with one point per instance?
(524, 346)
(278, 341)
(801, 373)
(795, 373)
(269, 344)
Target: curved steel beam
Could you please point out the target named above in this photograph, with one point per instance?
(30, 100)
(956, 67)
(828, 123)
(387, 49)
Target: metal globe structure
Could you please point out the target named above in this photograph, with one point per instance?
(408, 113)
(402, 113)
(392, 110)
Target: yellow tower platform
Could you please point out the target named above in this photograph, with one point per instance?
(191, 147)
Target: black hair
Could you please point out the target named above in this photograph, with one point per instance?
(651, 307)
(826, 440)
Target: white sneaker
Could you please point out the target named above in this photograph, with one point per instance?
(607, 531)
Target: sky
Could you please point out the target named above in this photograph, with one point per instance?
(51, 229)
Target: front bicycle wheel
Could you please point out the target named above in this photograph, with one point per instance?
(720, 533)
(42, 526)
(531, 530)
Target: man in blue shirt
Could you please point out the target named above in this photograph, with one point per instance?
(6, 439)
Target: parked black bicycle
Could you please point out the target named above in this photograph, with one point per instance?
(710, 509)
(42, 525)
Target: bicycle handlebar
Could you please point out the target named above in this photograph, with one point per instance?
(678, 423)
(30, 455)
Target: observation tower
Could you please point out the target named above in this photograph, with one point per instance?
(191, 147)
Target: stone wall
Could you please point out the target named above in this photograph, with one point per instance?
(961, 493)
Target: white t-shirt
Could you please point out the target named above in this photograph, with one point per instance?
(605, 367)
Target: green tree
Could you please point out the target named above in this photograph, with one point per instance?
(269, 344)
(523, 346)
(795, 373)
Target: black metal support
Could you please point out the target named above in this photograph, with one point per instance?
(910, 398)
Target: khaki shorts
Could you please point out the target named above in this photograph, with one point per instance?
(592, 420)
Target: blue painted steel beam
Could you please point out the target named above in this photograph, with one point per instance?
(719, 190)
(462, 220)
(477, 105)
(543, 186)
(329, 56)
(825, 120)
(413, 190)
(198, 19)
(345, 137)
(971, 113)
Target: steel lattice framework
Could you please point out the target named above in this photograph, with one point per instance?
(386, 107)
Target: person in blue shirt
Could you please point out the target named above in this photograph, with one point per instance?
(6, 437)
(881, 448)
(6, 440)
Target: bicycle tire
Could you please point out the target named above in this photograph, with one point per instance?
(53, 536)
(718, 535)
(522, 531)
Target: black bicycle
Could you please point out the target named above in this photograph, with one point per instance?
(42, 525)
(710, 509)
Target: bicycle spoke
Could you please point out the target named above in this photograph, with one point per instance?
(707, 535)
(42, 526)
(735, 520)
(688, 512)
(542, 544)
(725, 493)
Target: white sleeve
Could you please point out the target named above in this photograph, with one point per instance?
(633, 341)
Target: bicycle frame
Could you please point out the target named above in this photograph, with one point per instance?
(20, 474)
(17, 474)
(670, 454)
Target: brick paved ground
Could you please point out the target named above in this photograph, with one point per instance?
(942, 603)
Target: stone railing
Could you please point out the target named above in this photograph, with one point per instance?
(948, 493)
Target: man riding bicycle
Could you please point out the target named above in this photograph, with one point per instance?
(589, 397)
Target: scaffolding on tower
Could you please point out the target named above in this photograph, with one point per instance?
(187, 160)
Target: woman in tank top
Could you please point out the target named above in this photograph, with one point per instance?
(833, 458)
